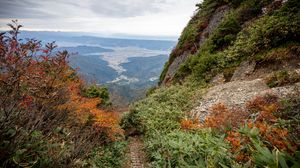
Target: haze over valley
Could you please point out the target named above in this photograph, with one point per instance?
(128, 67)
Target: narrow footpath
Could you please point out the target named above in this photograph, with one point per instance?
(137, 155)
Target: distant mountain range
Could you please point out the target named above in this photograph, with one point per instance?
(126, 66)
(75, 39)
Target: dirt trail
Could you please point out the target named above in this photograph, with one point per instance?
(137, 155)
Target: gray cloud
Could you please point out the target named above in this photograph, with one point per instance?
(135, 17)
(21, 9)
(57, 8)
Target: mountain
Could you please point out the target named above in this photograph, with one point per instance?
(128, 67)
(145, 69)
(92, 68)
(229, 95)
(78, 38)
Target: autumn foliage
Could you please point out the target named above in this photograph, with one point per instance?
(189, 124)
(222, 117)
(44, 119)
(259, 116)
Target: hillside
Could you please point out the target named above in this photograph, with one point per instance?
(229, 94)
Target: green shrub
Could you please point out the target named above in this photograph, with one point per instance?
(31, 152)
(151, 90)
(281, 78)
(95, 91)
(267, 32)
(226, 31)
(186, 149)
(109, 156)
(279, 54)
(263, 157)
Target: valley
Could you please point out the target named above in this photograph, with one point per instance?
(226, 94)
(128, 67)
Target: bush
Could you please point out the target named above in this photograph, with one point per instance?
(95, 91)
(110, 156)
(226, 32)
(187, 149)
(44, 120)
(33, 85)
(281, 78)
(160, 117)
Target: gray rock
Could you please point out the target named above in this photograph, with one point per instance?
(244, 70)
(219, 79)
(214, 22)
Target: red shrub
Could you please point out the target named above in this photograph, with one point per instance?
(222, 117)
(188, 124)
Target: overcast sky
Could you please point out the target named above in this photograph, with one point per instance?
(106, 17)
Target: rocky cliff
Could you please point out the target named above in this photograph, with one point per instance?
(220, 27)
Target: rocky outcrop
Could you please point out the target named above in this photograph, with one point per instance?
(237, 93)
(214, 22)
(244, 70)
(175, 65)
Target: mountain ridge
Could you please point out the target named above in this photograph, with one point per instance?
(228, 91)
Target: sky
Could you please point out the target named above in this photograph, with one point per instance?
(103, 17)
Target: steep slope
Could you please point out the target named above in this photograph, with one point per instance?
(229, 96)
(221, 35)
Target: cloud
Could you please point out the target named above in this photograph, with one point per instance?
(21, 9)
(135, 17)
(73, 8)
(125, 8)
(65, 8)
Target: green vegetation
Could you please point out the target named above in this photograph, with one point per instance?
(267, 32)
(190, 36)
(225, 34)
(111, 156)
(166, 106)
(265, 134)
(281, 78)
(173, 139)
(50, 119)
(94, 91)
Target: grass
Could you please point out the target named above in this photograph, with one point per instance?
(173, 139)
(171, 143)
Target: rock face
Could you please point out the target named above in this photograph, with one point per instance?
(244, 70)
(214, 22)
(175, 65)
